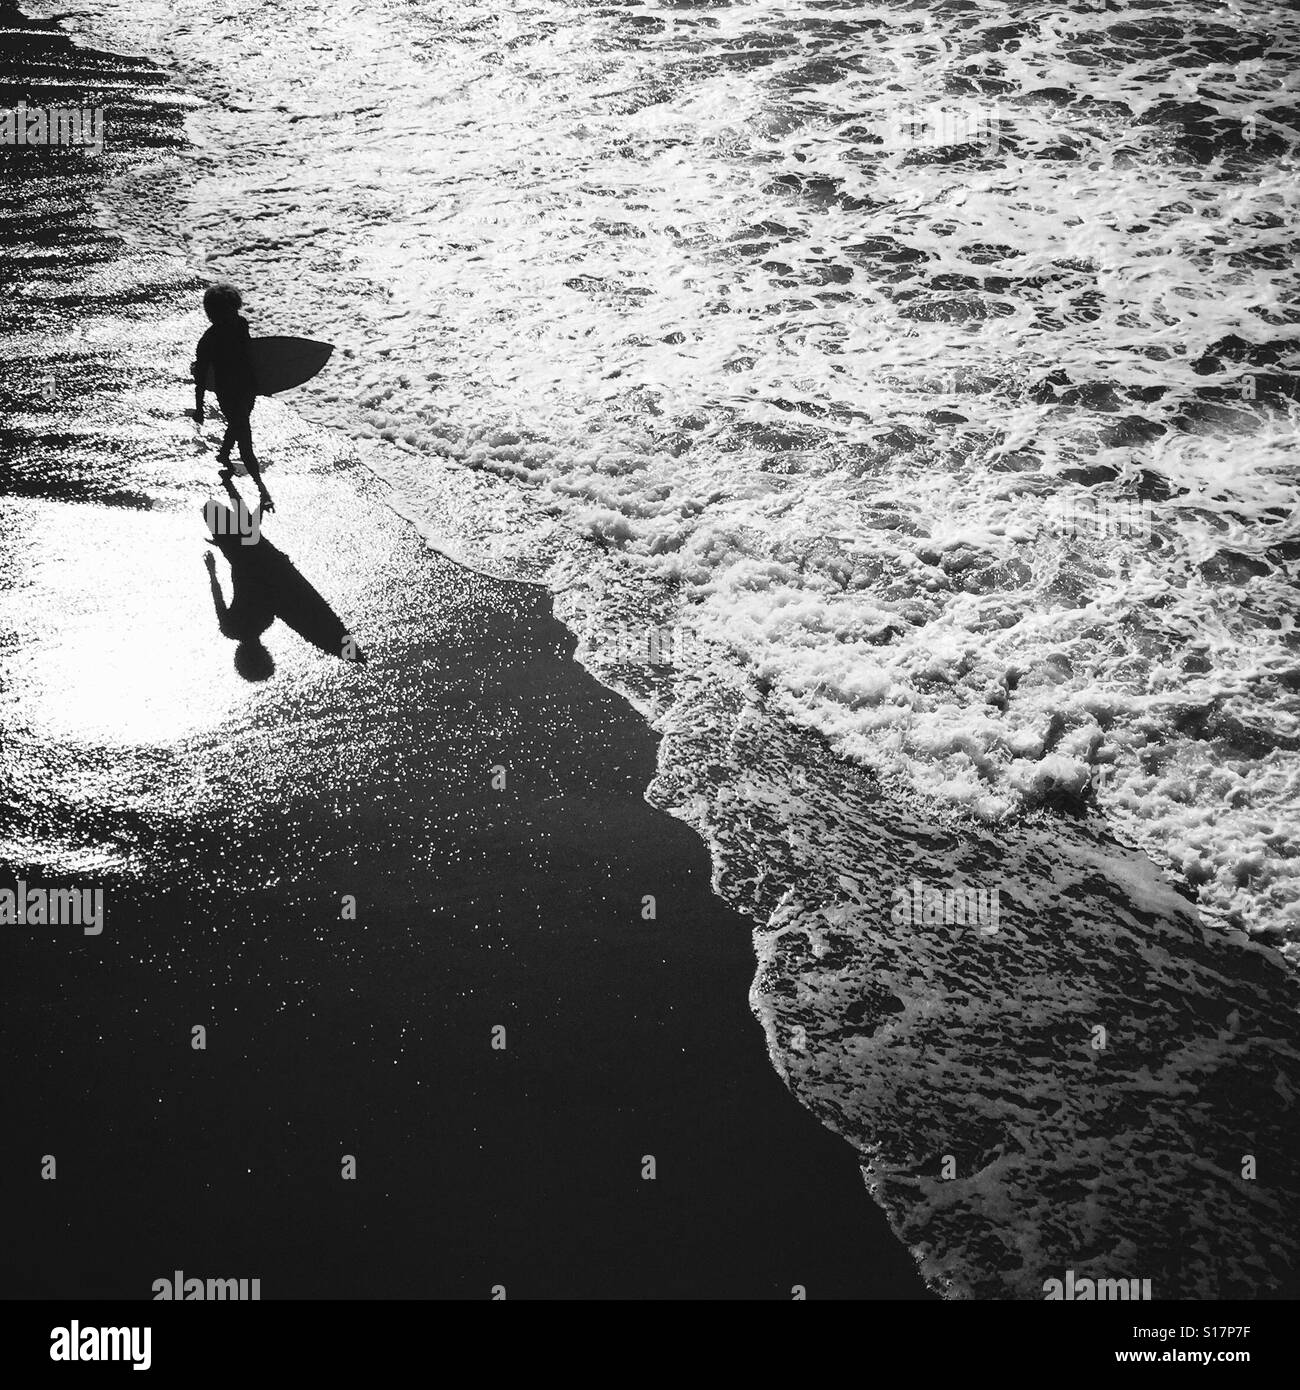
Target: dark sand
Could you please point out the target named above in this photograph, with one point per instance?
(227, 820)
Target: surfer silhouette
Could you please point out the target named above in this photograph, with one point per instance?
(224, 350)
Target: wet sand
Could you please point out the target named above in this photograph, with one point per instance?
(229, 821)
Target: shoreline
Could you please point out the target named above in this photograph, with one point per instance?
(821, 957)
(230, 821)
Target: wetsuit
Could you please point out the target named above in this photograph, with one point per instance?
(225, 348)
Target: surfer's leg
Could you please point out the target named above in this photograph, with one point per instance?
(229, 413)
(241, 429)
(227, 440)
(244, 434)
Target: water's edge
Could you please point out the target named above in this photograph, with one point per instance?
(913, 1044)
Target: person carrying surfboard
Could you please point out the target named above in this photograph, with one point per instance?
(224, 350)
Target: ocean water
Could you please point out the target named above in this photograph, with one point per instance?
(915, 385)
(873, 340)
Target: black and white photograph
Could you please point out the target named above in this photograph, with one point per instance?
(649, 652)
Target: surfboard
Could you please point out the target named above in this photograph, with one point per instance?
(279, 363)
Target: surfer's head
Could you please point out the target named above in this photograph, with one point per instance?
(222, 302)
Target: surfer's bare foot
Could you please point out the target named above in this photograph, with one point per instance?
(267, 504)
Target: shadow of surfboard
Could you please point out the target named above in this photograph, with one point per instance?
(267, 585)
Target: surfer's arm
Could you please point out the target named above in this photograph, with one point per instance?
(199, 370)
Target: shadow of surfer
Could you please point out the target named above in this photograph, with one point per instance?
(265, 585)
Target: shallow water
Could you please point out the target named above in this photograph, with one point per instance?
(865, 351)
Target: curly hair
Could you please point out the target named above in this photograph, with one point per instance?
(220, 301)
